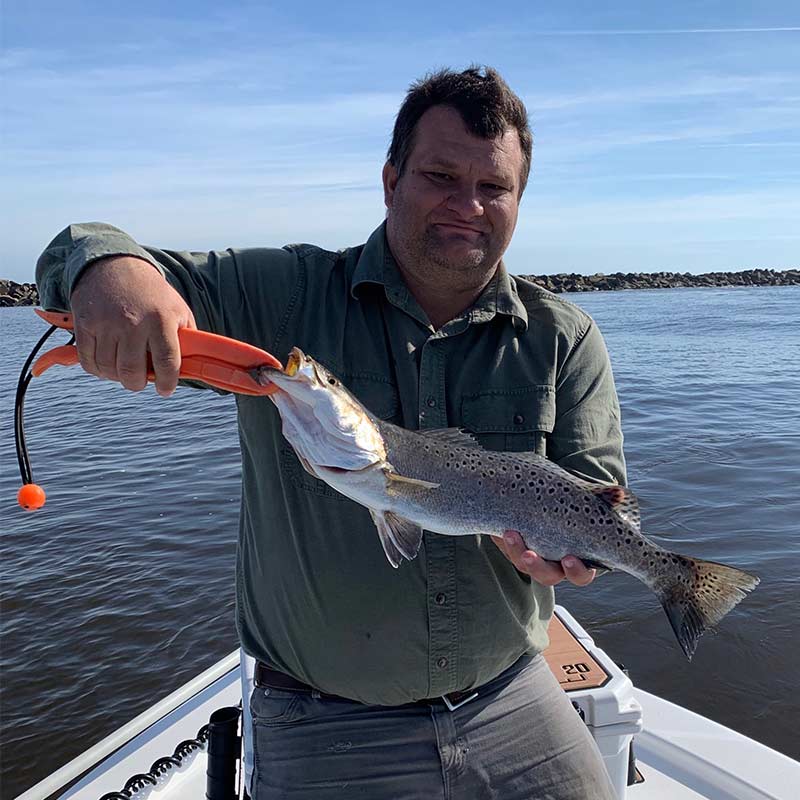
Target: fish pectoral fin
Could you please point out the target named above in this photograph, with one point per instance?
(399, 537)
(394, 476)
(622, 501)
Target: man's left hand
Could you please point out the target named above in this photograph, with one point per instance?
(548, 573)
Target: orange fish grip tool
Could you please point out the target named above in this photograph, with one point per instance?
(212, 359)
(207, 357)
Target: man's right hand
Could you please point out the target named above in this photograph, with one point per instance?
(123, 309)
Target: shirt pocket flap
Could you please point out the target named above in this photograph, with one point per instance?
(375, 394)
(521, 410)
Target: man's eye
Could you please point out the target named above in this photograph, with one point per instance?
(440, 176)
(495, 187)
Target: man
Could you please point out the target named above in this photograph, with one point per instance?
(363, 671)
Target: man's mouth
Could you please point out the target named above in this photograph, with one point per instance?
(462, 230)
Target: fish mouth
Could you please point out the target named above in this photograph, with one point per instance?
(293, 362)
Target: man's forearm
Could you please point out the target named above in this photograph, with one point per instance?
(75, 248)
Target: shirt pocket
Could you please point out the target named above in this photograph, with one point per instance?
(377, 395)
(512, 420)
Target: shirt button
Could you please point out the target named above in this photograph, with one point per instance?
(518, 419)
(440, 599)
(431, 401)
(441, 663)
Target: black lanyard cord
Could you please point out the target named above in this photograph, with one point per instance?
(22, 385)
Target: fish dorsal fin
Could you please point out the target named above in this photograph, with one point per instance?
(401, 538)
(622, 501)
(453, 436)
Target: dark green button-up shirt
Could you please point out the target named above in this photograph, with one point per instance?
(316, 598)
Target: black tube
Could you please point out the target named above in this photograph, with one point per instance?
(224, 751)
(19, 430)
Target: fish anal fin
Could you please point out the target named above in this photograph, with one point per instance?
(622, 501)
(590, 563)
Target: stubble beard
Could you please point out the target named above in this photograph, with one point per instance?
(428, 251)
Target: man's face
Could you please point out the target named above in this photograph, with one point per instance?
(455, 207)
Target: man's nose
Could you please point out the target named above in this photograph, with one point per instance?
(466, 201)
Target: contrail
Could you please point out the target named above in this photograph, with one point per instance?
(660, 31)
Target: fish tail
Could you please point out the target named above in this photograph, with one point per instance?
(698, 594)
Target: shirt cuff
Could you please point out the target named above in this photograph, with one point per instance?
(94, 247)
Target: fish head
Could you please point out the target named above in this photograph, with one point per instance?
(324, 423)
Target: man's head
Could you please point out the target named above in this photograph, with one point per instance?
(456, 169)
(484, 101)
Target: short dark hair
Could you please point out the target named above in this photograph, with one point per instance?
(482, 98)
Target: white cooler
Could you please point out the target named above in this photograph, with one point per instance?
(600, 691)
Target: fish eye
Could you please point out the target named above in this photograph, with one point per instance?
(332, 381)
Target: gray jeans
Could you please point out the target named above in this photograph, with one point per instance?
(520, 738)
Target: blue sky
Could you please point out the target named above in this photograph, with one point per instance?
(667, 135)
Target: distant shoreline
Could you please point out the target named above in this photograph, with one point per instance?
(25, 294)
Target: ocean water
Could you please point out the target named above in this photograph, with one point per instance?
(121, 588)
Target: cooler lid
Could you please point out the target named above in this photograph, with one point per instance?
(602, 692)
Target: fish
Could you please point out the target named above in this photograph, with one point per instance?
(445, 482)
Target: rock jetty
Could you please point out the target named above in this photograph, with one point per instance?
(25, 294)
(18, 294)
(572, 282)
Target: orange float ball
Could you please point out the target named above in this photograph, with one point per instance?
(31, 497)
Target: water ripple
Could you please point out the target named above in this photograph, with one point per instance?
(121, 587)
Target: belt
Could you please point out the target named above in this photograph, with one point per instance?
(268, 678)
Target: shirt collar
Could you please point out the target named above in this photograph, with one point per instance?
(376, 265)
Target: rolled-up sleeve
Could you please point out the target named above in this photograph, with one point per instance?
(587, 436)
(247, 294)
(75, 248)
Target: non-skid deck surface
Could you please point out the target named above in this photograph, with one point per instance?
(570, 661)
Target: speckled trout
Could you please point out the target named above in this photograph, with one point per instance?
(443, 481)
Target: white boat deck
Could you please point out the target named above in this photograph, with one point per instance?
(681, 755)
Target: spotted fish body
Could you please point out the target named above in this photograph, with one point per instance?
(443, 481)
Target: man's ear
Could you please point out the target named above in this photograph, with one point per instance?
(390, 178)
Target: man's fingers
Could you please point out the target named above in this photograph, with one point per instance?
(577, 572)
(85, 345)
(105, 356)
(165, 351)
(514, 549)
(132, 363)
(548, 573)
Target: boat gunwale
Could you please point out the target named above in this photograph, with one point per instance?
(91, 758)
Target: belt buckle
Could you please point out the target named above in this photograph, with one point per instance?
(453, 706)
